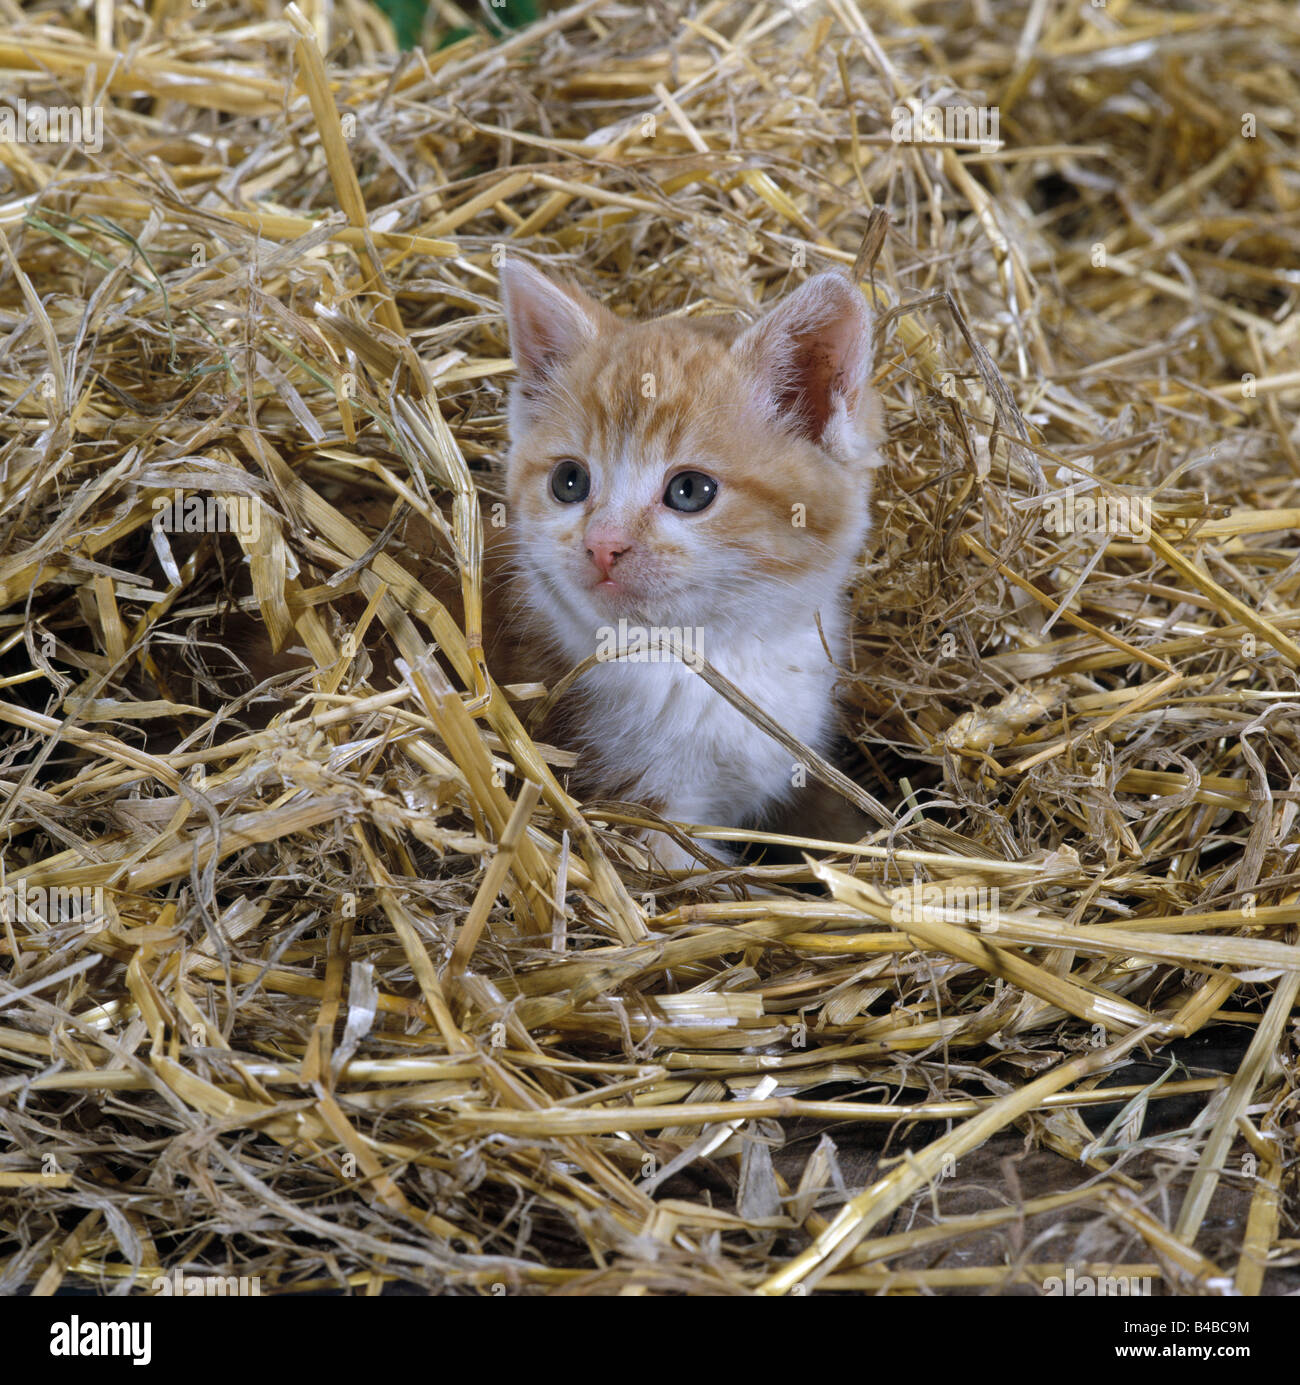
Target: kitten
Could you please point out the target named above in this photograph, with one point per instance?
(708, 479)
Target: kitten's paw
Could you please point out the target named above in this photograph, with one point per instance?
(669, 854)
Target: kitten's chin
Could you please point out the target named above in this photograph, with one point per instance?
(606, 604)
(605, 598)
(613, 596)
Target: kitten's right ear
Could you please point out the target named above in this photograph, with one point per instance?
(549, 322)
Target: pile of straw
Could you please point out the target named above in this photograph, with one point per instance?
(326, 980)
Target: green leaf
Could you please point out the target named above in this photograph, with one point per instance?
(407, 18)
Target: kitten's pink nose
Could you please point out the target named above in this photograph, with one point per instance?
(605, 547)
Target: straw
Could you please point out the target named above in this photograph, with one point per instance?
(303, 931)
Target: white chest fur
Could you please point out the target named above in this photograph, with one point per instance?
(657, 724)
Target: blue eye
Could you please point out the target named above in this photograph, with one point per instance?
(570, 482)
(690, 492)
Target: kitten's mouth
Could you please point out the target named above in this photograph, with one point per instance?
(617, 589)
(611, 586)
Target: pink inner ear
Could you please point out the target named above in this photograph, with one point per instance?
(806, 397)
(813, 350)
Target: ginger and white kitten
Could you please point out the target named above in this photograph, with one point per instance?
(694, 477)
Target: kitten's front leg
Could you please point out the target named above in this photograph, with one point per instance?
(671, 855)
(684, 807)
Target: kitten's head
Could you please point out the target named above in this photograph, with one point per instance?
(675, 474)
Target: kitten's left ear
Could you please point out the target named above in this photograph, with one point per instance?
(811, 356)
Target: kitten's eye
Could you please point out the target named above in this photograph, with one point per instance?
(690, 491)
(570, 482)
